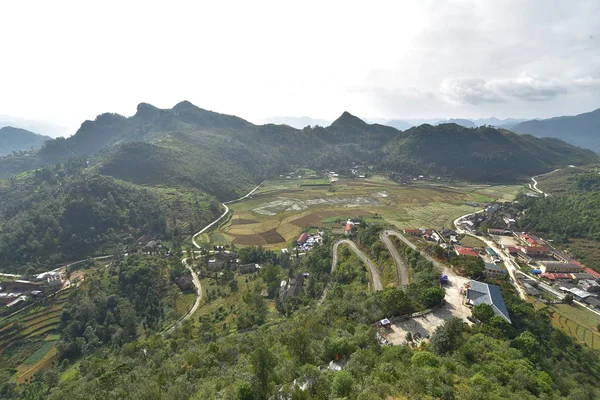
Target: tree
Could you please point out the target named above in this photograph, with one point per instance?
(483, 312)
(446, 336)
(394, 302)
(433, 297)
(263, 364)
(342, 384)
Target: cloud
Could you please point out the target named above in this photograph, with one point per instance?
(528, 88)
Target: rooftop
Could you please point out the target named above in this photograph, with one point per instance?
(482, 293)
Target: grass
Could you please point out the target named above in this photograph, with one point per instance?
(470, 241)
(69, 374)
(184, 302)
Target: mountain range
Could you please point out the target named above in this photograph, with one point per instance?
(224, 155)
(15, 139)
(581, 130)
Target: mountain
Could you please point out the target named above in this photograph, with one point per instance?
(48, 128)
(297, 122)
(15, 139)
(499, 123)
(224, 155)
(582, 130)
(459, 121)
(479, 154)
(398, 124)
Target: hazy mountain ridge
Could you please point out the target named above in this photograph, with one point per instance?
(581, 130)
(16, 139)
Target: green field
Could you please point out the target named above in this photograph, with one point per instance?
(281, 209)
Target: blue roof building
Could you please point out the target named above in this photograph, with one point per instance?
(482, 293)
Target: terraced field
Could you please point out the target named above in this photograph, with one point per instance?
(28, 337)
(281, 209)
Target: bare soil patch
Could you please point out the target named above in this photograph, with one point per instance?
(243, 221)
(272, 236)
(248, 240)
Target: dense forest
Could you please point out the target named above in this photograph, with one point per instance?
(65, 213)
(289, 357)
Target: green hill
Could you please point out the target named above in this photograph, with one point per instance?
(15, 139)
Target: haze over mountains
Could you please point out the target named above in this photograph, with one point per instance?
(581, 130)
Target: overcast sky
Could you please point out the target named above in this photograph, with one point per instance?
(66, 61)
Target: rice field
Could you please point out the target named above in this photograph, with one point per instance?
(282, 209)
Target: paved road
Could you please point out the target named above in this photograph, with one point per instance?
(192, 310)
(401, 269)
(511, 267)
(374, 274)
(222, 215)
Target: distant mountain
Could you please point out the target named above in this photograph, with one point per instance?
(499, 123)
(581, 130)
(297, 122)
(459, 121)
(15, 139)
(48, 128)
(398, 124)
(224, 155)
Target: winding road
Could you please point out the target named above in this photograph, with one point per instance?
(374, 274)
(401, 269)
(196, 305)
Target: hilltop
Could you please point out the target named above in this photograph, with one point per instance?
(16, 139)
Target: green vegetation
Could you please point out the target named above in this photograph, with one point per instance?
(15, 140)
(63, 213)
(526, 360)
(570, 217)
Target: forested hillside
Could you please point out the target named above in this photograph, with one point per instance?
(225, 155)
(65, 213)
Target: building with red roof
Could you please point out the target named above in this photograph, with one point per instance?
(465, 251)
(303, 238)
(592, 272)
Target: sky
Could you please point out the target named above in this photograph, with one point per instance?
(68, 61)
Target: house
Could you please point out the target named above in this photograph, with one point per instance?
(482, 293)
(581, 276)
(248, 268)
(592, 302)
(534, 250)
(53, 281)
(530, 290)
(348, 227)
(302, 239)
(448, 232)
(528, 239)
(593, 273)
(557, 266)
(152, 245)
(525, 257)
(291, 288)
(492, 253)
(556, 276)
(185, 282)
(589, 285)
(413, 232)
(577, 293)
(559, 255)
(512, 250)
(465, 251)
(20, 285)
(17, 302)
(493, 270)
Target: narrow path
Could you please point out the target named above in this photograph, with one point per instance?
(401, 269)
(194, 308)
